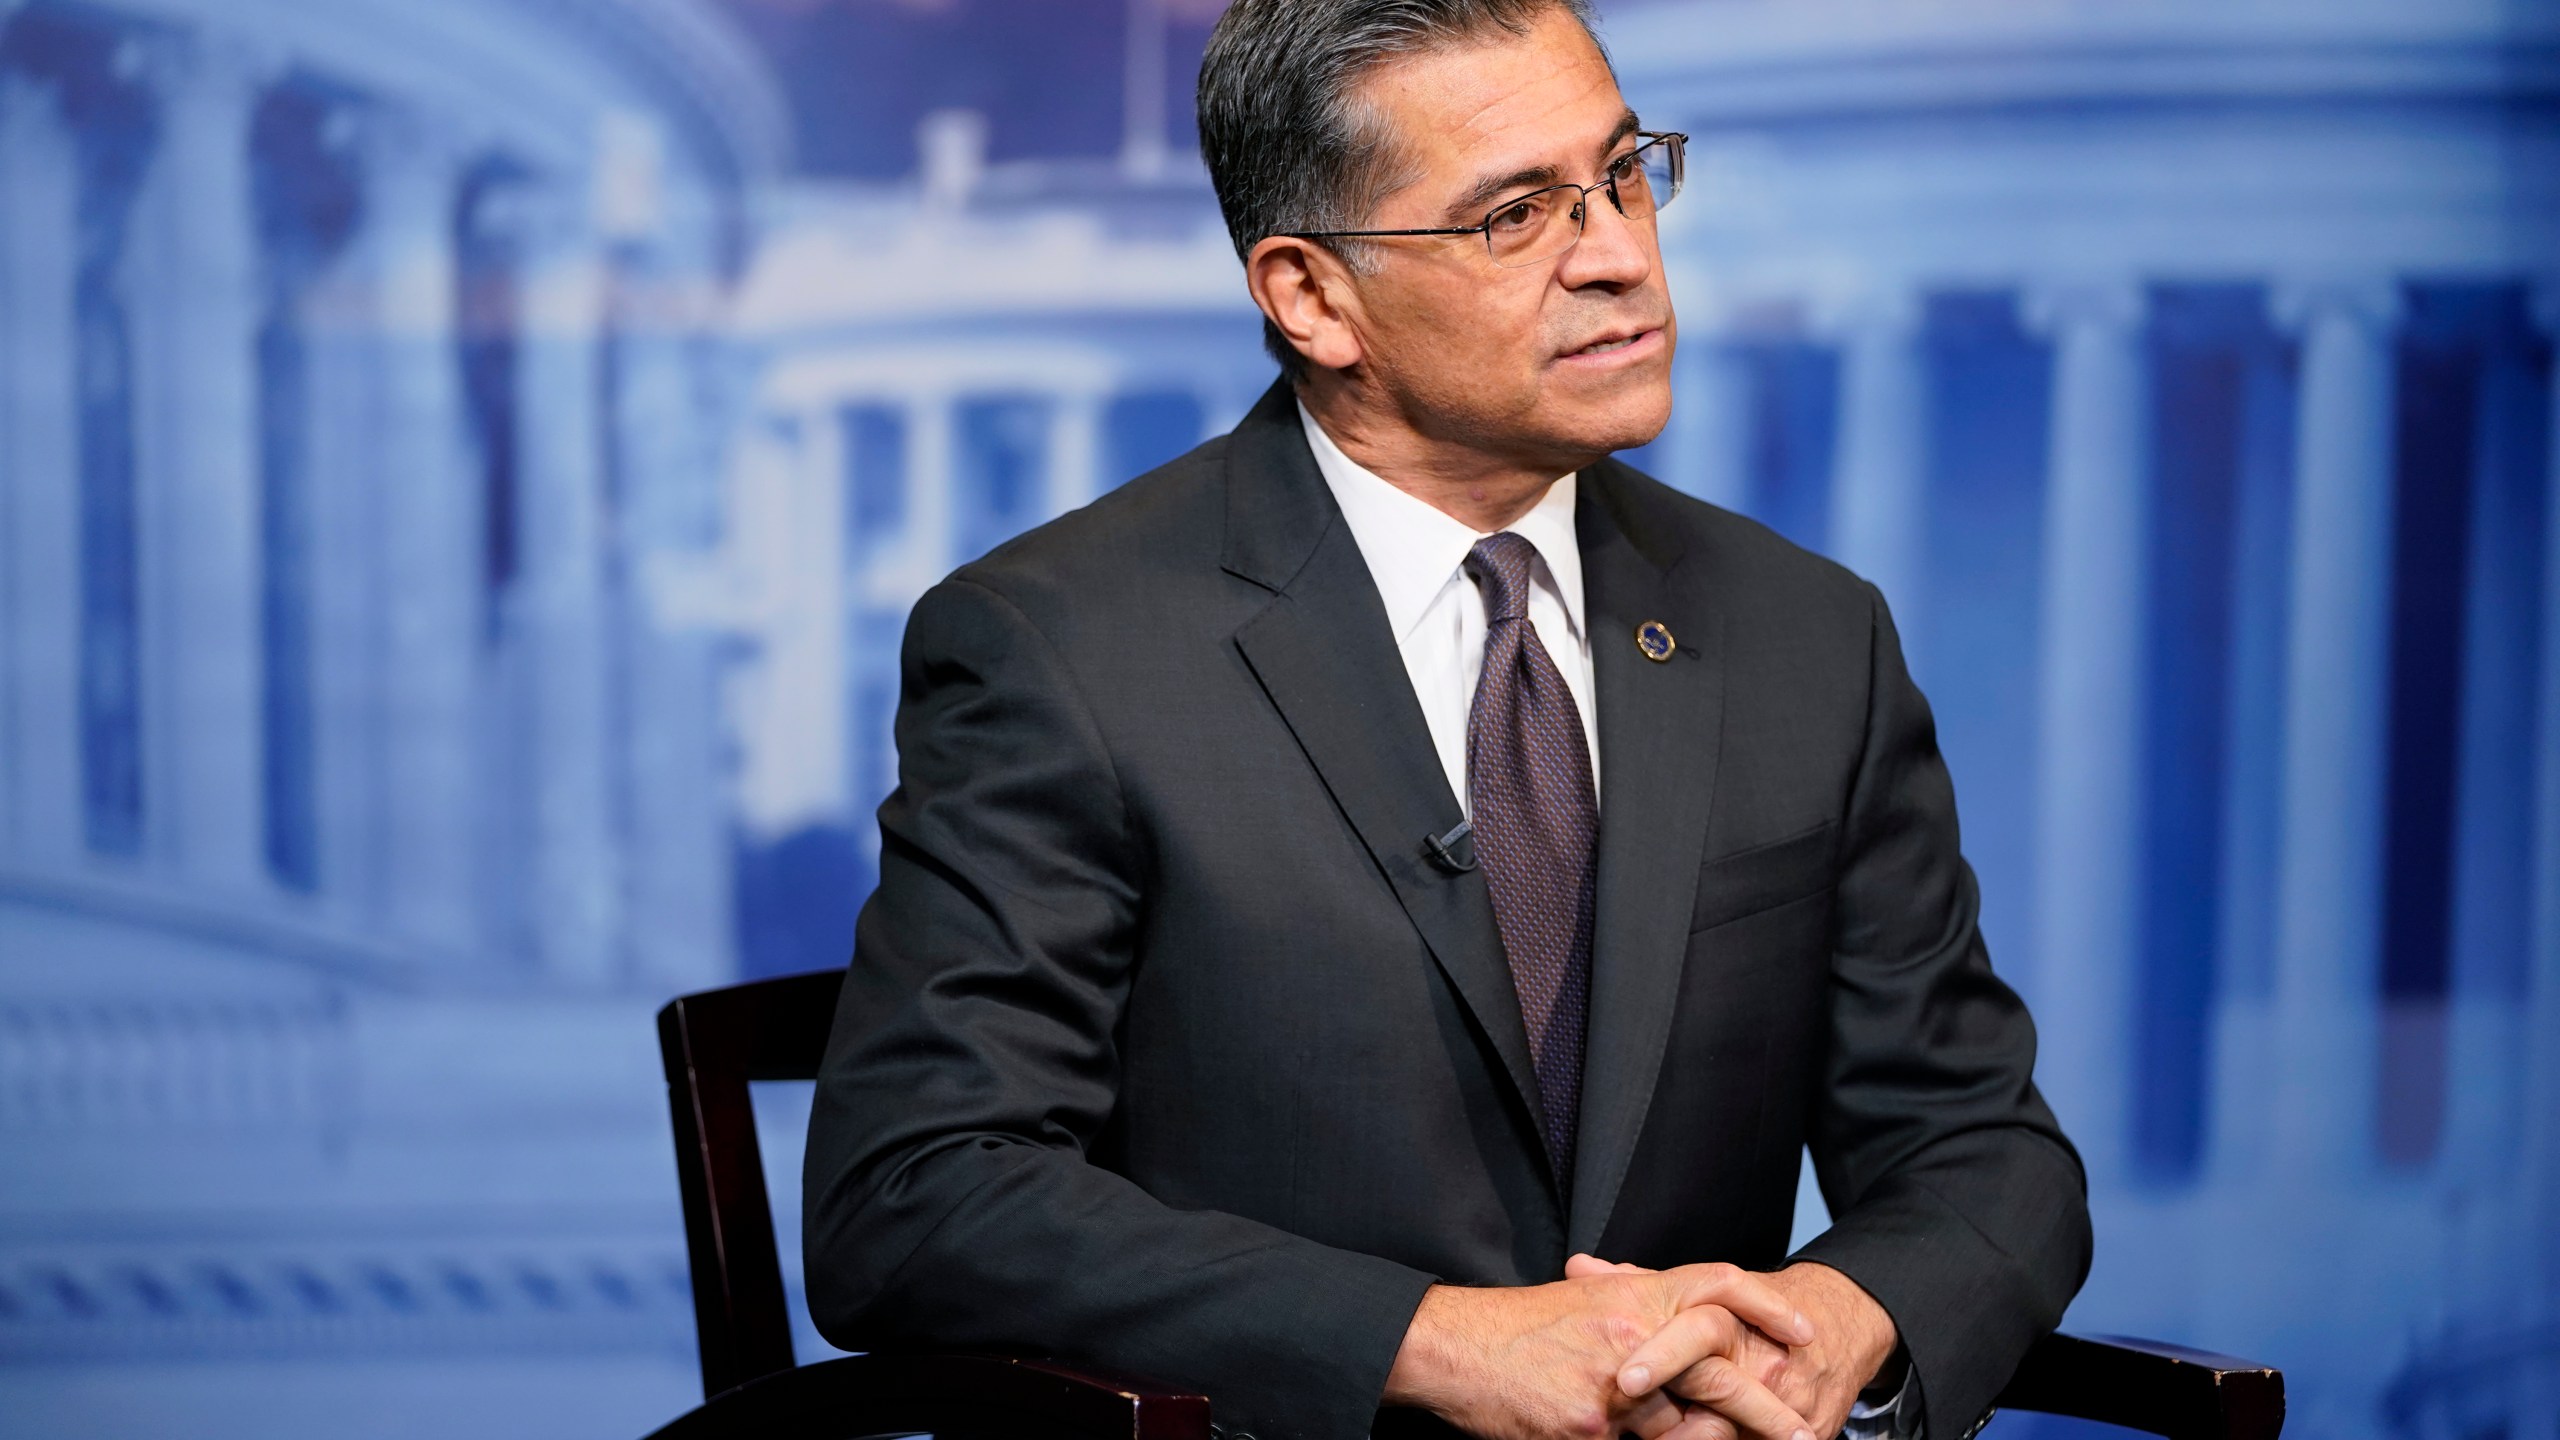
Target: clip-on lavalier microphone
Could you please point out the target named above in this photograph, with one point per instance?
(1454, 852)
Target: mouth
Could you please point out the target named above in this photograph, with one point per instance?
(1616, 344)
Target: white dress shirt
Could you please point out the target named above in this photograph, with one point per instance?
(1417, 555)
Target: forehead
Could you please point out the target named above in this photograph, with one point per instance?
(1498, 102)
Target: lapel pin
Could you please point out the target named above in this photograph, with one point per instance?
(1654, 639)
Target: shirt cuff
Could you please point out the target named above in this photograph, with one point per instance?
(1878, 1415)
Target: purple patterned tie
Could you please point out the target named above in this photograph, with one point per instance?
(1537, 828)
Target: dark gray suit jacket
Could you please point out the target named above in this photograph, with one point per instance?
(1166, 1048)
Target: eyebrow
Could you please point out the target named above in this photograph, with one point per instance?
(1484, 192)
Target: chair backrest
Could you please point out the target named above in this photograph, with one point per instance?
(713, 1044)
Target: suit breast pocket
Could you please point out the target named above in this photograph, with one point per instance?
(1764, 877)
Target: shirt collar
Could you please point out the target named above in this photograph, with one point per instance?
(1413, 548)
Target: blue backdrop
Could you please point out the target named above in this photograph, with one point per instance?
(464, 468)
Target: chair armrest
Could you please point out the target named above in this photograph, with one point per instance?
(948, 1395)
(2147, 1385)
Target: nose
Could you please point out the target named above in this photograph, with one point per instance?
(1615, 253)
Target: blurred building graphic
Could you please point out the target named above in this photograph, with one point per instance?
(2182, 372)
(461, 485)
(357, 364)
(944, 365)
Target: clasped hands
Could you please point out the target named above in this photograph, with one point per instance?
(1702, 1352)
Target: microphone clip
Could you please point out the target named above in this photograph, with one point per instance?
(1454, 852)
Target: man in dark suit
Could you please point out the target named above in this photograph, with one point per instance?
(1374, 911)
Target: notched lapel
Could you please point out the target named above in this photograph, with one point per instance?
(1661, 726)
(1325, 656)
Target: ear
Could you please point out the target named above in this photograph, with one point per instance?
(1306, 291)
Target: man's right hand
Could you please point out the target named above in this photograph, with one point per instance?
(1541, 1362)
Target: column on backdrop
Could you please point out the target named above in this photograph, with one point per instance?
(1075, 452)
(892, 567)
(39, 438)
(344, 498)
(2540, 1192)
(432, 522)
(677, 875)
(2088, 727)
(1709, 437)
(192, 275)
(784, 573)
(1879, 468)
(575, 896)
(2337, 677)
(2489, 917)
(928, 551)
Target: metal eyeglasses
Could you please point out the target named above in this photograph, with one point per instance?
(1543, 224)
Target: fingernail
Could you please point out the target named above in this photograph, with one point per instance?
(1636, 1380)
(1804, 1328)
(1801, 1435)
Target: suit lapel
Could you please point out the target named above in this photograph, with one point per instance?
(1660, 728)
(1325, 656)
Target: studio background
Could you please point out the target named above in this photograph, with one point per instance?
(464, 468)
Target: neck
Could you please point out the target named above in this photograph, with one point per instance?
(1483, 489)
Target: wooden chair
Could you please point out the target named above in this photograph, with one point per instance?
(715, 1042)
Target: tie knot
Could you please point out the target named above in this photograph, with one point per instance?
(1500, 565)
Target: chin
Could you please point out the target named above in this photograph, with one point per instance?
(1622, 421)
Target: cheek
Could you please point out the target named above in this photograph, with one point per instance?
(1465, 338)
(1479, 319)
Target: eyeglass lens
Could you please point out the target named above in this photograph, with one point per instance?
(1545, 224)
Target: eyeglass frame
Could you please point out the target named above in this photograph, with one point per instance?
(1677, 140)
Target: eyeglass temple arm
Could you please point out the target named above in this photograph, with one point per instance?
(1365, 234)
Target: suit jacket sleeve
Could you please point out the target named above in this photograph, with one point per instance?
(1957, 1202)
(951, 1197)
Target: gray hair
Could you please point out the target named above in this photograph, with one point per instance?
(1288, 144)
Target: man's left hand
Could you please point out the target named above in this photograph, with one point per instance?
(1853, 1337)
